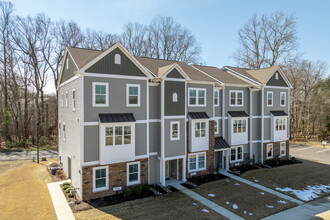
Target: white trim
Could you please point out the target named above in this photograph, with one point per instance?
(92, 123)
(141, 121)
(82, 130)
(175, 117)
(154, 120)
(262, 124)
(106, 94)
(221, 83)
(74, 103)
(171, 130)
(153, 154)
(242, 76)
(127, 171)
(114, 76)
(91, 163)
(197, 97)
(106, 187)
(175, 79)
(141, 157)
(284, 99)
(236, 98)
(236, 154)
(270, 157)
(127, 95)
(216, 121)
(270, 105)
(200, 82)
(197, 162)
(68, 81)
(283, 155)
(276, 87)
(174, 158)
(117, 59)
(66, 52)
(180, 70)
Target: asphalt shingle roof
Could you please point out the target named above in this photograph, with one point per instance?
(238, 114)
(198, 115)
(279, 113)
(221, 143)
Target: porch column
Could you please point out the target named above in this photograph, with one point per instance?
(227, 159)
(184, 169)
(163, 172)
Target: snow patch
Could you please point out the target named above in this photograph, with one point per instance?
(211, 195)
(245, 212)
(270, 206)
(256, 180)
(250, 213)
(262, 193)
(194, 203)
(205, 210)
(309, 193)
(281, 201)
(227, 203)
(235, 206)
(237, 184)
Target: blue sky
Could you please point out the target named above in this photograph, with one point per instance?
(214, 23)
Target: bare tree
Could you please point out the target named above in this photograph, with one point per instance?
(98, 40)
(134, 38)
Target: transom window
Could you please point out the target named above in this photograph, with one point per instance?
(73, 100)
(197, 161)
(236, 98)
(133, 95)
(117, 135)
(197, 97)
(239, 126)
(282, 148)
(100, 94)
(200, 129)
(269, 151)
(280, 124)
(100, 177)
(175, 130)
(269, 98)
(282, 98)
(133, 173)
(216, 97)
(236, 154)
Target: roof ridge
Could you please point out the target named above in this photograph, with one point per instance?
(205, 66)
(85, 48)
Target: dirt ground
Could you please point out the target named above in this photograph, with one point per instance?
(246, 197)
(311, 143)
(296, 176)
(23, 184)
(170, 206)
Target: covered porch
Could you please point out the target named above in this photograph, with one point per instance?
(222, 154)
(172, 169)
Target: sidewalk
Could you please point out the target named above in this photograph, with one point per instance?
(61, 206)
(223, 172)
(219, 209)
(28, 155)
(303, 212)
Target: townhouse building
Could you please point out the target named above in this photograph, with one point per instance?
(126, 120)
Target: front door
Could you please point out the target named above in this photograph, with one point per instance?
(167, 170)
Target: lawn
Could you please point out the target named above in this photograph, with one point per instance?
(169, 206)
(296, 176)
(23, 184)
(242, 199)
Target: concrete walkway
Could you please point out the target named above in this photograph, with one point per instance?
(223, 172)
(28, 155)
(215, 207)
(61, 206)
(303, 212)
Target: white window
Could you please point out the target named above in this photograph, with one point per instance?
(133, 173)
(118, 135)
(216, 131)
(73, 99)
(269, 98)
(276, 75)
(197, 162)
(175, 97)
(236, 154)
(117, 59)
(282, 149)
(175, 130)
(236, 98)
(59, 129)
(269, 151)
(64, 131)
(100, 94)
(216, 97)
(66, 99)
(200, 129)
(197, 97)
(239, 126)
(282, 98)
(67, 63)
(100, 178)
(280, 124)
(133, 95)
(62, 100)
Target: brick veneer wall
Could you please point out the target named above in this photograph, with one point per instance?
(117, 177)
(209, 154)
(276, 150)
(244, 162)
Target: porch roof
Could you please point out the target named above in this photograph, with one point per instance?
(279, 113)
(198, 115)
(116, 117)
(221, 143)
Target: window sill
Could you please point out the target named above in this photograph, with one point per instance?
(100, 189)
(177, 139)
(133, 105)
(94, 105)
(236, 105)
(133, 183)
(196, 105)
(192, 171)
(236, 161)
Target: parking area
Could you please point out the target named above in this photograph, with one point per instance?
(316, 154)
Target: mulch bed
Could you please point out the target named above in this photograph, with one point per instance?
(285, 162)
(244, 168)
(198, 180)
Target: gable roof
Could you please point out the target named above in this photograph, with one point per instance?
(83, 56)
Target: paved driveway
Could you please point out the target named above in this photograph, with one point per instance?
(28, 155)
(317, 154)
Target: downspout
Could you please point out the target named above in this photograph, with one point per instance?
(250, 125)
(262, 125)
(162, 155)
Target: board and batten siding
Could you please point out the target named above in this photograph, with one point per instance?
(209, 99)
(277, 82)
(154, 102)
(177, 147)
(154, 137)
(178, 107)
(68, 73)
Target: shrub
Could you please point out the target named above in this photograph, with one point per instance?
(127, 192)
(70, 195)
(137, 190)
(145, 188)
(43, 159)
(271, 162)
(66, 184)
(293, 158)
(68, 190)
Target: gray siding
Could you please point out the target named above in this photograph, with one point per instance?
(277, 82)
(256, 103)
(117, 98)
(154, 137)
(276, 101)
(246, 99)
(154, 102)
(91, 143)
(174, 74)
(68, 73)
(219, 128)
(107, 65)
(256, 151)
(174, 108)
(256, 129)
(209, 99)
(267, 128)
(154, 169)
(174, 148)
(141, 139)
(218, 109)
